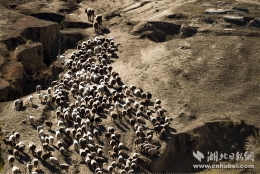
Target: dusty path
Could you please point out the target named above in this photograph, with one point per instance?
(200, 78)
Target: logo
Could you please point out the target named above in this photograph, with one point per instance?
(198, 155)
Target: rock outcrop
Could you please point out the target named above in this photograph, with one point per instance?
(17, 34)
(31, 57)
(239, 20)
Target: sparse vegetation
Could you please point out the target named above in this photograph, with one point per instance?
(252, 143)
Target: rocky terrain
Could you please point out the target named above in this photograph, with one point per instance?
(201, 58)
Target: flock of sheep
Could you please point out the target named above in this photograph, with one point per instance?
(97, 91)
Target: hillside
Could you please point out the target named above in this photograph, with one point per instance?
(202, 66)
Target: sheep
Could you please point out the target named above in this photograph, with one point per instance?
(40, 128)
(98, 19)
(39, 152)
(64, 167)
(42, 139)
(123, 172)
(18, 104)
(31, 99)
(45, 146)
(110, 169)
(90, 12)
(113, 116)
(121, 146)
(40, 96)
(60, 123)
(112, 155)
(35, 162)
(167, 120)
(163, 132)
(16, 170)
(38, 88)
(16, 153)
(93, 164)
(96, 26)
(11, 159)
(54, 161)
(16, 135)
(76, 145)
(99, 151)
(113, 164)
(133, 167)
(51, 139)
(32, 147)
(160, 112)
(137, 93)
(128, 163)
(62, 150)
(157, 101)
(138, 133)
(136, 105)
(153, 120)
(95, 132)
(153, 151)
(111, 109)
(58, 134)
(29, 167)
(45, 98)
(120, 159)
(98, 171)
(82, 153)
(12, 137)
(59, 143)
(117, 104)
(49, 90)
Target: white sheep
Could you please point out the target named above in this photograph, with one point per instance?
(160, 112)
(136, 105)
(49, 90)
(153, 151)
(45, 98)
(110, 169)
(35, 162)
(157, 101)
(57, 134)
(54, 161)
(64, 167)
(11, 159)
(16, 170)
(60, 123)
(137, 93)
(51, 138)
(16, 103)
(117, 104)
(42, 139)
(38, 88)
(31, 99)
(76, 145)
(111, 109)
(40, 96)
(89, 52)
(29, 167)
(41, 132)
(40, 128)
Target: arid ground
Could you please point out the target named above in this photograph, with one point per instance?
(204, 67)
